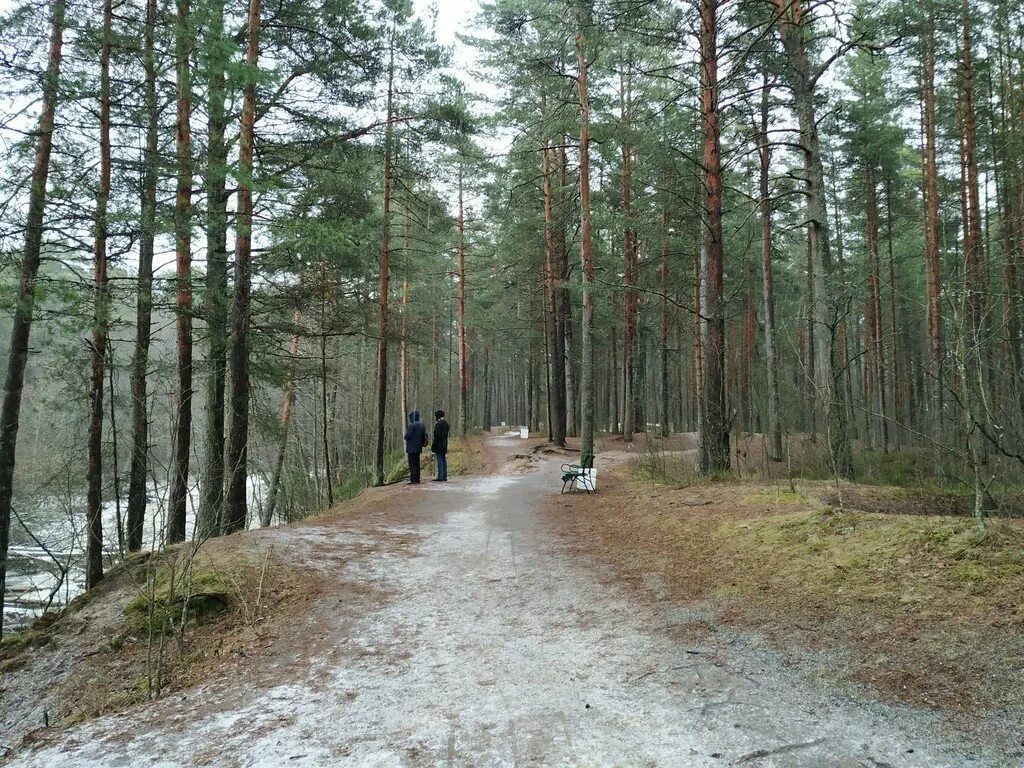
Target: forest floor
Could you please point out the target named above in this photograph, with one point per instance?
(489, 621)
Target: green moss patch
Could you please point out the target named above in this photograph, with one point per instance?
(19, 640)
(935, 564)
(198, 598)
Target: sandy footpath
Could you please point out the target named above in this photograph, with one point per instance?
(493, 647)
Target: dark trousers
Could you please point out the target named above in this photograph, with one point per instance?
(414, 467)
(442, 466)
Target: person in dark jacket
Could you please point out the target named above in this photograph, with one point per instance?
(439, 445)
(415, 440)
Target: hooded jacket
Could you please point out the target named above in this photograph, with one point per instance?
(440, 441)
(415, 434)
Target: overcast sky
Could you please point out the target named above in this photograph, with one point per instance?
(452, 15)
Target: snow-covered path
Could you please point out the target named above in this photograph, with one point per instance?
(494, 648)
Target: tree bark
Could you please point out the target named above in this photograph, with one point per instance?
(881, 418)
(973, 352)
(768, 285)
(829, 309)
(215, 302)
(698, 350)
(844, 338)
(183, 269)
(137, 495)
(565, 309)
(896, 388)
(556, 388)
(385, 276)
(403, 351)
(933, 264)
(615, 425)
(663, 284)
(325, 424)
(101, 323)
(236, 505)
(746, 390)
(287, 405)
(713, 449)
(973, 247)
(586, 249)
(810, 378)
(463, 362)
(630, 300)
(21, 326)
(1007, 178)
(487, 389)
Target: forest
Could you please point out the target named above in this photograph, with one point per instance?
(241, 239)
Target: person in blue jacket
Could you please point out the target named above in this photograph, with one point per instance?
(415, 441)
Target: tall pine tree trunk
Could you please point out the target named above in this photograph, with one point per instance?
(973, 348)
(586, 247)
(974, 284)
(183, 269)
(881, 418)
(698, 350)
(895, 389)
(565, 309)
(136, 513)
(768, 284)
(713, 450)
(325, 434)
(794, 28)
(463, 362)
(237, 469)
(615, 423)
(933, 263)
(215, 302)
(663, 284)
(487, 389)
(101, 323)
(556, 340)
(21, 326)
(385, 276)
(287, 405)
(403, 348)
(630, 300)
(844, 335)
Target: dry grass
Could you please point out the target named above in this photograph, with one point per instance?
(465, 457)
(924, 608)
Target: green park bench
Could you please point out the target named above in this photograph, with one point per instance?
(578, 474)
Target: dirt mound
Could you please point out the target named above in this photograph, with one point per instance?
(550, 449)
(519, 463)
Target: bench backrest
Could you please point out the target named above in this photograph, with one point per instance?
(587, 462)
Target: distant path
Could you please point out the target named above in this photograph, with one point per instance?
(489, 647)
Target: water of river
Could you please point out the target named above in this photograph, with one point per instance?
(46, 565)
